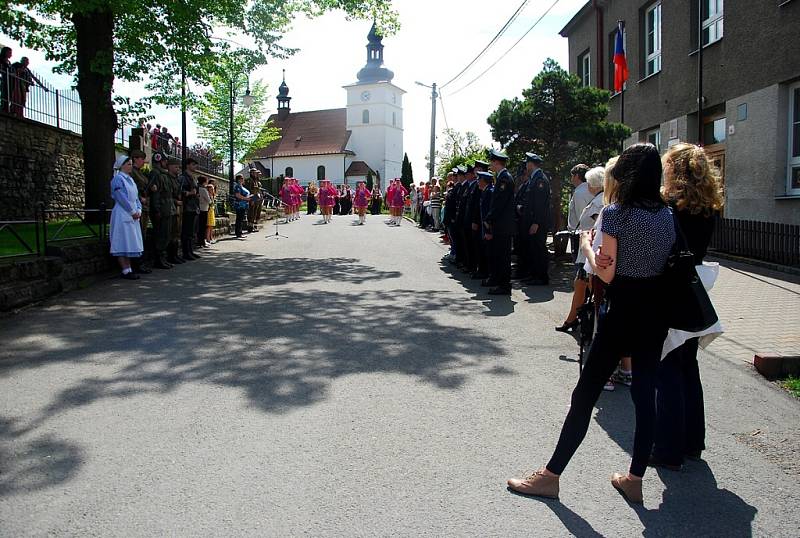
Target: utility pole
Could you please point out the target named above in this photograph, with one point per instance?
(432, 161)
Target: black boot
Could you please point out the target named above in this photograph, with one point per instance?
(160, 262)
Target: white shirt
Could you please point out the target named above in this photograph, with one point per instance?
(588, 219)
(579, 200)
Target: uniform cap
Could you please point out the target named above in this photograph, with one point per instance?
(481, 163)
(461, 170)
(495, 155)
(138, 154)
(174, 160)
(533, 158)
(470, 168)
(486, 176)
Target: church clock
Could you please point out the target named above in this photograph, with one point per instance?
(365, 96)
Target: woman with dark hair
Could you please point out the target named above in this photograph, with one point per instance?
(5, 79)
(637, 235)
(692, 186)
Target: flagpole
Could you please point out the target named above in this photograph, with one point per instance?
(621, 27)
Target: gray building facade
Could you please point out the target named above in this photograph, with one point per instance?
(750, 123)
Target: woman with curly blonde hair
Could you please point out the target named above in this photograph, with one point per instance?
(693, 188)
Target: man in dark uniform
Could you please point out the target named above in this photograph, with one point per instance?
(522, 243)
(467, 211)
(500, 225)
(537, 214)
(455, 227)
(473, 222)
(173, 168)
(485, 188)
(138, 157)
(191, 209)
(162, 207)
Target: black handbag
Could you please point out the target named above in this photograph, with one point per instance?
(689, 306)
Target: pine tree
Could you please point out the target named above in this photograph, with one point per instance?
(406, 174)
(370, 180)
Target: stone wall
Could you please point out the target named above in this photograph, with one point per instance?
(38, 163)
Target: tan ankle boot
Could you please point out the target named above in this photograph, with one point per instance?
(538, 484)
(630, 489)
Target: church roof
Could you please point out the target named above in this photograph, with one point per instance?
(358, 168)
(316, 132)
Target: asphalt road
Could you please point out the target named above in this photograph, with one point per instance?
(343, 382)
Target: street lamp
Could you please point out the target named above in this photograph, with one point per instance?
(247, 101)
(432, 160)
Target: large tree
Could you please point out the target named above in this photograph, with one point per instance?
(561, 120)
(100, 40)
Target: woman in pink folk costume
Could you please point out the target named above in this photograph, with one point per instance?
(389, 195)
(327, 199)
(297, 191)
(361, 201)
(397, 199)
(286, 198)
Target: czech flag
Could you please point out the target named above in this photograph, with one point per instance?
(620, 62)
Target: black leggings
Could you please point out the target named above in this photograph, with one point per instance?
(631, 326)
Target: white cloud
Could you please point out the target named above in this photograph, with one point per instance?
(437, 39)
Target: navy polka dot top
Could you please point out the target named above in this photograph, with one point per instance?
(644, 239)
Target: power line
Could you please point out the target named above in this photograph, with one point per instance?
(441, 102)
(494, 39)
(510, 49)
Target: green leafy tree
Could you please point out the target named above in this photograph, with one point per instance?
(100, 41)
(561, 120)
(458, 149)
(250, 127)
(370, 180)
(406, 173)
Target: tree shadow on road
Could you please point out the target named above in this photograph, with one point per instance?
(236, 325)
(27, 466)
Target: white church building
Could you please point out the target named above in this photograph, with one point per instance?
(341, 144)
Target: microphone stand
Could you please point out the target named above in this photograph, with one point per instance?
(276, 235)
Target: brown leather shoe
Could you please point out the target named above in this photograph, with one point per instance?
(538, 484)
(630, 489)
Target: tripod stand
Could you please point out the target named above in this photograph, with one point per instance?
(276, 235)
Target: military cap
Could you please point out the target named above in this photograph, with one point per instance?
(495, 155)
(486, 176)
(174, 160)
(461, 170)
(470, 168)
(138, 154)
(533, 158)
(454, 170)
(482, 163)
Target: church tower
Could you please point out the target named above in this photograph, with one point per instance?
(375, 114)
(283, 99)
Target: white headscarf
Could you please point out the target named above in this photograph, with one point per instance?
(121, 160)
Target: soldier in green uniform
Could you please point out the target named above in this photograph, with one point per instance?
(162, 209)
(173, 168)
(138, 157)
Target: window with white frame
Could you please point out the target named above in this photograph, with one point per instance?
(653, 136)
(712, 21)
(585, 67)
(793, 168)
(652, 40)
